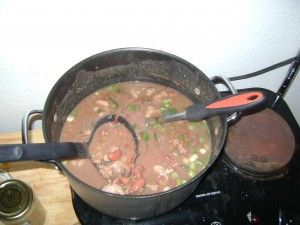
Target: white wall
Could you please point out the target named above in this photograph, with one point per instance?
(40, 40)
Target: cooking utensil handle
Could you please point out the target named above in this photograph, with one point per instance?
(224, 80)
(233, 103)
(25, 120)
(38, 151)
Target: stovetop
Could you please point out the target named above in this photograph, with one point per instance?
(225, 196)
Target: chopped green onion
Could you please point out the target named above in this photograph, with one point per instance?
(179, 182)
(192, 173)
(73, 113)
(163, 108)
(203, 123)
(194, 149)
(159, 126)
(145, 136)
(181, 137)
(167, 105)
(174, 175)
(192, 166)
(114, 104)
(132, 107)
(169, 111)
(207, 158)
(201, 139)
(166, 100)
(114, 87)
(199, 162)
(193, 125)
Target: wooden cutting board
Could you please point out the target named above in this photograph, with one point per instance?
(49, 185)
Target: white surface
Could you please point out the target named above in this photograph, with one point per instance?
(40, 40)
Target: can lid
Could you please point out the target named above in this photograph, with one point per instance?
(16, 197)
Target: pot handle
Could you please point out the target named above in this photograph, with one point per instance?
(224, 80)
(25, 120)
(25, 130)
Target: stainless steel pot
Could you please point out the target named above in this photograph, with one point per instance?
(130, 64)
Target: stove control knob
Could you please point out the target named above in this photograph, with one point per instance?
(253, 219)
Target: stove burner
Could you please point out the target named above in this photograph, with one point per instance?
(260, 144)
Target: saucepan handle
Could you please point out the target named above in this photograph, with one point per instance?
(25, 129)
(25, 122)
(224, 80)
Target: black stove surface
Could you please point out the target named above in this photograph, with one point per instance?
(226, 197)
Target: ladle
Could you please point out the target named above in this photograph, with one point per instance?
(233, 103)
(59, 150)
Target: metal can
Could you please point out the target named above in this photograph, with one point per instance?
(18, 204)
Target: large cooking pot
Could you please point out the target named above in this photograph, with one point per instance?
(130, 64)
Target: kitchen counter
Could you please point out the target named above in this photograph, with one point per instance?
(50, 185)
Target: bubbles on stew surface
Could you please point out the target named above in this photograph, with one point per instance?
(169, 154)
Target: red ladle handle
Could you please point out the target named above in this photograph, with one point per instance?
(233, 103)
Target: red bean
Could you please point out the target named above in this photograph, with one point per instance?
(125, 180)
(129, 157)
(138, 185)
(137, 172)
(115, 155)
(116, 181)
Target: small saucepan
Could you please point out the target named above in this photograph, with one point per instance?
(121, 65)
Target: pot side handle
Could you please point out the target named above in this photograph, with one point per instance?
(224, 80)
(25, 123)
(25, 129)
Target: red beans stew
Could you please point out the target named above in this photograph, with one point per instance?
(169, 154)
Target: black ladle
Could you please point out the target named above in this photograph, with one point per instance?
(60, 150)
